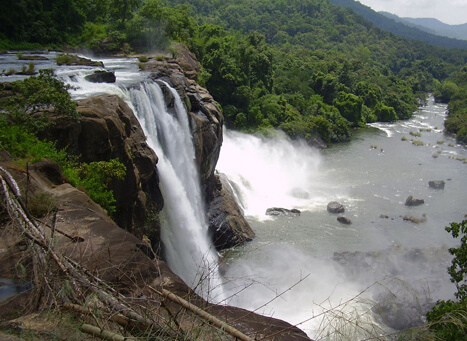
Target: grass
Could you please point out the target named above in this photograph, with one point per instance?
(143, 59)
(418, 143)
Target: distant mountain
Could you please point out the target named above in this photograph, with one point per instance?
(433, 26)
(401, 28)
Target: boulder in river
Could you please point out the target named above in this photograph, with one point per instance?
(335, 207)
(278, 211)
(344, 220)
(415, 220)
(413, 202)
(101, 77)
(436, 184)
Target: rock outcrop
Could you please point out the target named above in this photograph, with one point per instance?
(227, 225)
(101, 77)
(344, 220)
(108, 129)
(335, 207)
(436, 184)
(279, 211)
(411, 201)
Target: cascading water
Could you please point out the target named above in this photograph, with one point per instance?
(187, 248)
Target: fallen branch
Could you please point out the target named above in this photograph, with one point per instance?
(105, 334)
(200, 312)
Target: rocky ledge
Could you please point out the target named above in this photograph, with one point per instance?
(84, 234)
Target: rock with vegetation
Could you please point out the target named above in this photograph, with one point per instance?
(108, 129)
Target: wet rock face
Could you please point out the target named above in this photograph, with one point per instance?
(227, 225)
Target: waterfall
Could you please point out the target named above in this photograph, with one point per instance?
(187, 248)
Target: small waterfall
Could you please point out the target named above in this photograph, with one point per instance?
(188, 251)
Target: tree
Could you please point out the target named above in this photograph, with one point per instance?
(350, 107)
(448, 319)
(35, 94)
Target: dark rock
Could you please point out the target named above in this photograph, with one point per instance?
(384, 216)
(50, 170)
(227, 225)
(146, 249)
(278, 211)
(413, 202)
(436, 184)
(101, 77)
(335, 207)
(344, 220)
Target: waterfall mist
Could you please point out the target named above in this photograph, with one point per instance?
(271, 172)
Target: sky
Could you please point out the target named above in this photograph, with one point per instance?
(451, 12)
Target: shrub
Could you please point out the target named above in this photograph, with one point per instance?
(95, 178)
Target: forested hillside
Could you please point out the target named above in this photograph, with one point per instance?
(408, 31)
(307, 67)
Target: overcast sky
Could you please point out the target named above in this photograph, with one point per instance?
(451, 12)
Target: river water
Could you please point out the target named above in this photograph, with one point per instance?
(320, 263)
(311, 270)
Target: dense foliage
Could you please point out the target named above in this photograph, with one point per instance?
(454, 91)
(21, 119)
(307, 67)
(448, 319)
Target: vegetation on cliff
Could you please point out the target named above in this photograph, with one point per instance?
(21, 119)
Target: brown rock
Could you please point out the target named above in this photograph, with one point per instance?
(108, 129)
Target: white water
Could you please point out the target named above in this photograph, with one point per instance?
(187, 249)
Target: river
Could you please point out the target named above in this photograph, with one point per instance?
(330, 279)
(320, 263)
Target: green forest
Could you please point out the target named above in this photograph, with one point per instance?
(307, 67)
